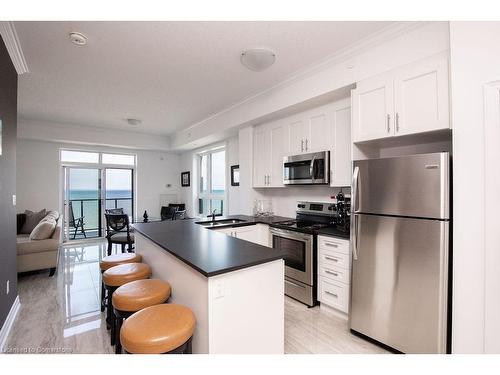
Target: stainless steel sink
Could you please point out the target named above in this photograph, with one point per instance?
(220, 222)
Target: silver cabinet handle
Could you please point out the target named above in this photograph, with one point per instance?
(331, 244)
(306, 143)
(302, 145)
(269, 179)
(331, 258)
(332, 294)
(331, 273)
(388, 123)
(397, 121)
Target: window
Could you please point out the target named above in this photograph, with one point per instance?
(79, 156)
(212, 182)
(121, 159)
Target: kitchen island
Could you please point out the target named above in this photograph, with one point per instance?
(234, 287)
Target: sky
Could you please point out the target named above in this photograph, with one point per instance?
(87, 179)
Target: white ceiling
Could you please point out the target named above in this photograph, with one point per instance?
(168, 74)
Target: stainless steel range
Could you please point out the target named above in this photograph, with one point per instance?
(298, 240)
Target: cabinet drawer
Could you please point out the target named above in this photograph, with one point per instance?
(333, 244)
(334, 294)
(334, 273)
(333, 258)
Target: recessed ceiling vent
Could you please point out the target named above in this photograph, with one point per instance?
(258, 59)
(78, 38)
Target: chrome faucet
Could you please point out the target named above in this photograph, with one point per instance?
(213, 214)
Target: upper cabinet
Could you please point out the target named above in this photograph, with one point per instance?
(269, 146)
(310, 131)
(412, 99)
(324, 128)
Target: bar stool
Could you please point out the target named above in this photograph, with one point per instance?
(135, 296)
(115, 260)
(166, 328)
(117, 276)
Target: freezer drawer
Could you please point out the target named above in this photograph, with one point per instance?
(400, 282)
(415, 186)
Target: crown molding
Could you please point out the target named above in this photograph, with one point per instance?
(9, 35)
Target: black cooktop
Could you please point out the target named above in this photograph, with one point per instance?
(313, 227)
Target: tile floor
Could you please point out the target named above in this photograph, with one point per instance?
(62, 314)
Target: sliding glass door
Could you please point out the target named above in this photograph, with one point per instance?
(83, 216)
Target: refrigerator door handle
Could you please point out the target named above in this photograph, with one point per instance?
(355, 180)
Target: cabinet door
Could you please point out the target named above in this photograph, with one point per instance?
(297, 136)
(320, 130)
(373, 108)
(278, 150)
(421, 96)
(340, 155)
(261, 155)
(228, 231)
(249, 233)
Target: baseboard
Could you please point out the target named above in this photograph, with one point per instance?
(9, 321)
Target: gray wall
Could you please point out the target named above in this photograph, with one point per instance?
(8, 114)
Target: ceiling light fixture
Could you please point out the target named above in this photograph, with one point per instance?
(134, 121)
(77, 38)
(258, 59)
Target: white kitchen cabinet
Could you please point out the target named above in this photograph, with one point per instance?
(340, 147)
(258, 233)
(310, 131)
(409, 100)
(261, 156)
(373, 108)
(421, 97)
(334, 272)
(269, 147)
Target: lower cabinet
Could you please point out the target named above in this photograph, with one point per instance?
(334, 272)
(257, 233)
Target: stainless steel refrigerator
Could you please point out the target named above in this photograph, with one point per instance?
(400, 226)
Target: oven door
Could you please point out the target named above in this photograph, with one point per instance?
(306, 169)
(298, 250)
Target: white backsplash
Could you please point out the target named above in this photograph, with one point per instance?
(285, 199)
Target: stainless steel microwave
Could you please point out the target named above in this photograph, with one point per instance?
(307, 169)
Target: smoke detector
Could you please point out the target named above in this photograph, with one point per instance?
(134, 121)
(77, 38)
(258, 59)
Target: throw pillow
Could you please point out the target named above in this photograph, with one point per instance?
(32, 219)
(43, 230)
(21, 219)
(51, 215)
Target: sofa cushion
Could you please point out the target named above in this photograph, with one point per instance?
(44, 229)
(27, 246)
(21, 219)
(51, 215)
(32, 219)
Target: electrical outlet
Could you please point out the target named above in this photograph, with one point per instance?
(8, 286)
(219, 290)
(14, 199)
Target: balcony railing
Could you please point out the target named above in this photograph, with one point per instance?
(91, 211)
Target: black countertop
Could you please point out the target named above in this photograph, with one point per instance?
(207, 251)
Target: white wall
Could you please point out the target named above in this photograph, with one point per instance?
(475, 56)
(38, 175)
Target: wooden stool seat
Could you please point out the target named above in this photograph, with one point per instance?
(124, 273)
(158, 329)
(117, 259)
(137, 295)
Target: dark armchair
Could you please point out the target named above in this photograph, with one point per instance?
(118, 232)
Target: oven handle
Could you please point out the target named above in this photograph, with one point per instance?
(294, 284)
(290, 234)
